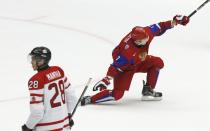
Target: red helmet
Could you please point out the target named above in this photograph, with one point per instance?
(138, 33)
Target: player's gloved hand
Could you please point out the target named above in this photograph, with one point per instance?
(180, 19)
(25, 128)
(102, 84)
(71, 122)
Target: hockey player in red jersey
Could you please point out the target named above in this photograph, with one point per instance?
(51, 98)
(130, 57)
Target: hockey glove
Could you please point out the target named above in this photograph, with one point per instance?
(182, 20)
(102, 84)
(71, 122)
(25, 128)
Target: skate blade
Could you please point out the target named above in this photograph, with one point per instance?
(151, 98)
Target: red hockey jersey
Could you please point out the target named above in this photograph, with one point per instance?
(126, 54)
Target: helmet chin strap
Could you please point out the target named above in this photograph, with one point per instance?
(42, 67)
(141, 43)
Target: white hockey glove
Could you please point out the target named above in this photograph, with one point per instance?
(182, 20)
(102, 84)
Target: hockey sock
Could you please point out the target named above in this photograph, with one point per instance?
(103, 96)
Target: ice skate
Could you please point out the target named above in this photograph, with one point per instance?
(149, 94)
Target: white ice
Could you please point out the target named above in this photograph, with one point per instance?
(81, 35)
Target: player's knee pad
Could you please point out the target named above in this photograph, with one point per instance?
(118, 94)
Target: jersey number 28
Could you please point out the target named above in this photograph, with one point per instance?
(59, 92)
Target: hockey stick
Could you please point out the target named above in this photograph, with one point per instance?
(201, 6)
(83, 92)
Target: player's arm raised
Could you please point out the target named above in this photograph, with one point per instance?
(161, 27)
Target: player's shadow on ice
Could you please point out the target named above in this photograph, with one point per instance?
(127, 102)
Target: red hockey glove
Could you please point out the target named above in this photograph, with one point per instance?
(102, 84)
(182, 20)
(25, 128)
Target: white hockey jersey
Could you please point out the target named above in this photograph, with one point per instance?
(51, 99)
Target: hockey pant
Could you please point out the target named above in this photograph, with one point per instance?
(122, 80)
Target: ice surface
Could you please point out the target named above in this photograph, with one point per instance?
(81, 35)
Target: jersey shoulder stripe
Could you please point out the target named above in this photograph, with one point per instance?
(41, 78)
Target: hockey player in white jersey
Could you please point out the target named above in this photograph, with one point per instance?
(51, 97)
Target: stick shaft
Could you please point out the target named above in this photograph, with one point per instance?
(201, 6)
(86, 86)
